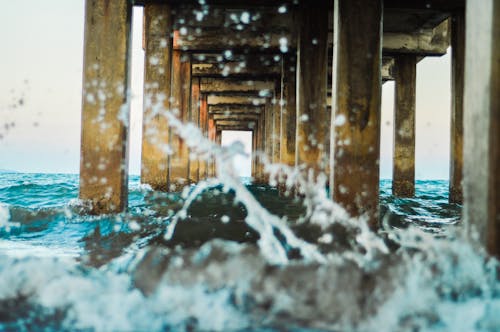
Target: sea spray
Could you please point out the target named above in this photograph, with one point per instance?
(131, 278)
(258, 218)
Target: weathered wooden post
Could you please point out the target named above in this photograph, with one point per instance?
(254, 151)
(457, 107)
(312, 65)
(180, 104)
(218, 136)
(157, 66)
(105, 105)
(269, 130)
(482, 122)
(204, 129)
(289, 116)
(403, 172)
(212, 137)
(276, 157)
(260, 146)
(194, 117)
(356, 100)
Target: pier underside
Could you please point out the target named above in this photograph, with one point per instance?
(303, 76)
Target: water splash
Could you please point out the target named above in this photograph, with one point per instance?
(313, 267)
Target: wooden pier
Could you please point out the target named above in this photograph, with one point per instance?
(305, 78)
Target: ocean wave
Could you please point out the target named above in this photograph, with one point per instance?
(67, 270)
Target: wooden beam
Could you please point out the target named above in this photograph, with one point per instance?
(457, 106)
(209, 40)
(482, 123)
(242, 69)
(249, 124)
(432, 41)
(312, 64)
(105, 105)
(255, 71)
(427, 42)
(407, 4)
(234, 127)
(227, 86)
(403, 172)
(235, 100)
(233, 16)
(241, 117)
(157, 63)
(233, 3)
(240, 109)
(442, 5)
(356, 107)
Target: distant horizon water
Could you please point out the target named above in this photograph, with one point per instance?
(138, 175)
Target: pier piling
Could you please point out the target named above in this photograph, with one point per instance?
(312, 66)
(194, 117)
(356, 102)
(457, 106)
(289, 116)
(105, 105)
(403, 175)
(482, 123)
(180, 104)
(157, 64)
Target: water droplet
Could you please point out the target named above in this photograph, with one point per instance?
(228, 54)
(245, 18)
(340, 120)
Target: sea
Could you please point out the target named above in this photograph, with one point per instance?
(230, 255)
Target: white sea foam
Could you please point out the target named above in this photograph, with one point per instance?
(4, 216)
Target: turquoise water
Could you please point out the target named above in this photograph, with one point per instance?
(61, 269)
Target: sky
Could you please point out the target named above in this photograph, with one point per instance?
(41, 58)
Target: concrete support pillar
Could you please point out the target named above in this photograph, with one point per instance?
(180, 105)
(212, 137)
(157, 64)
(276, 105)
(218, 140)
(312, 67)
(204, 128)
(260, 148)
(194, 162)
(356, 100)
(105, 105)
(403, 172)
(289, 115)
(482, 122)
(254, 150)
(269, 130)
(457, 107)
